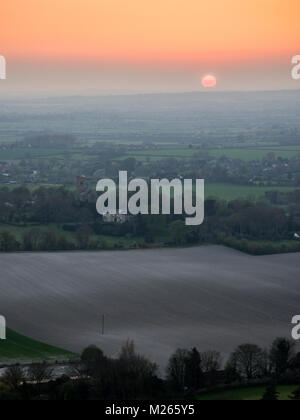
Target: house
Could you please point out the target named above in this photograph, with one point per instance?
(120, 216)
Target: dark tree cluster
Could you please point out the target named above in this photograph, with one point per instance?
(131, 376)
(49, 215)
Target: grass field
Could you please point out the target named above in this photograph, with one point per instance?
(162, 151)
(255, 154)
(233, 192)
(166, 152)
(243, 153)
(17, 347)
(248, 394)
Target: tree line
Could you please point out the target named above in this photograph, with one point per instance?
(131, 376)
(49, 215)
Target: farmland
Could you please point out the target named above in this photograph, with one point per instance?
(257, 153)
(171, 150)
(230, 171)
(233, 192)
(209, 297)
(245, 152)
(222, 138)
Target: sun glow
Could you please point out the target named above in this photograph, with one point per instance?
(156, 31)
(209, 81)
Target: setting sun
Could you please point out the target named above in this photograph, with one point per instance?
(209, 81)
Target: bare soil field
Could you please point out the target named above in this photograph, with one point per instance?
(210, 297)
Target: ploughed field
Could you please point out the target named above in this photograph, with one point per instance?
(210, 297)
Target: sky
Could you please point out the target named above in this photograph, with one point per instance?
(94, 46)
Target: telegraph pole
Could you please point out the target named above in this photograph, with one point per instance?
(103, 324)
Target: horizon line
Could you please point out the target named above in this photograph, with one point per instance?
(15, 95)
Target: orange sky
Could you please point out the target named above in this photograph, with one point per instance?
(185, 31)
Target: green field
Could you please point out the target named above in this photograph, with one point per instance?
(246, 153)
(257, 153)
(162, 151)
(248, 394)
(41, 153)
(233, 192)
(167, 152)
(18, 347)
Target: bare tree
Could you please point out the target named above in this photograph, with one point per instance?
(281, 354)
(127, 351)
(134, 362)
(39, 372)
(211, 364)
(248, 360)
(134, 372)
(176, 370)
(211, 361)
(14, 376)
